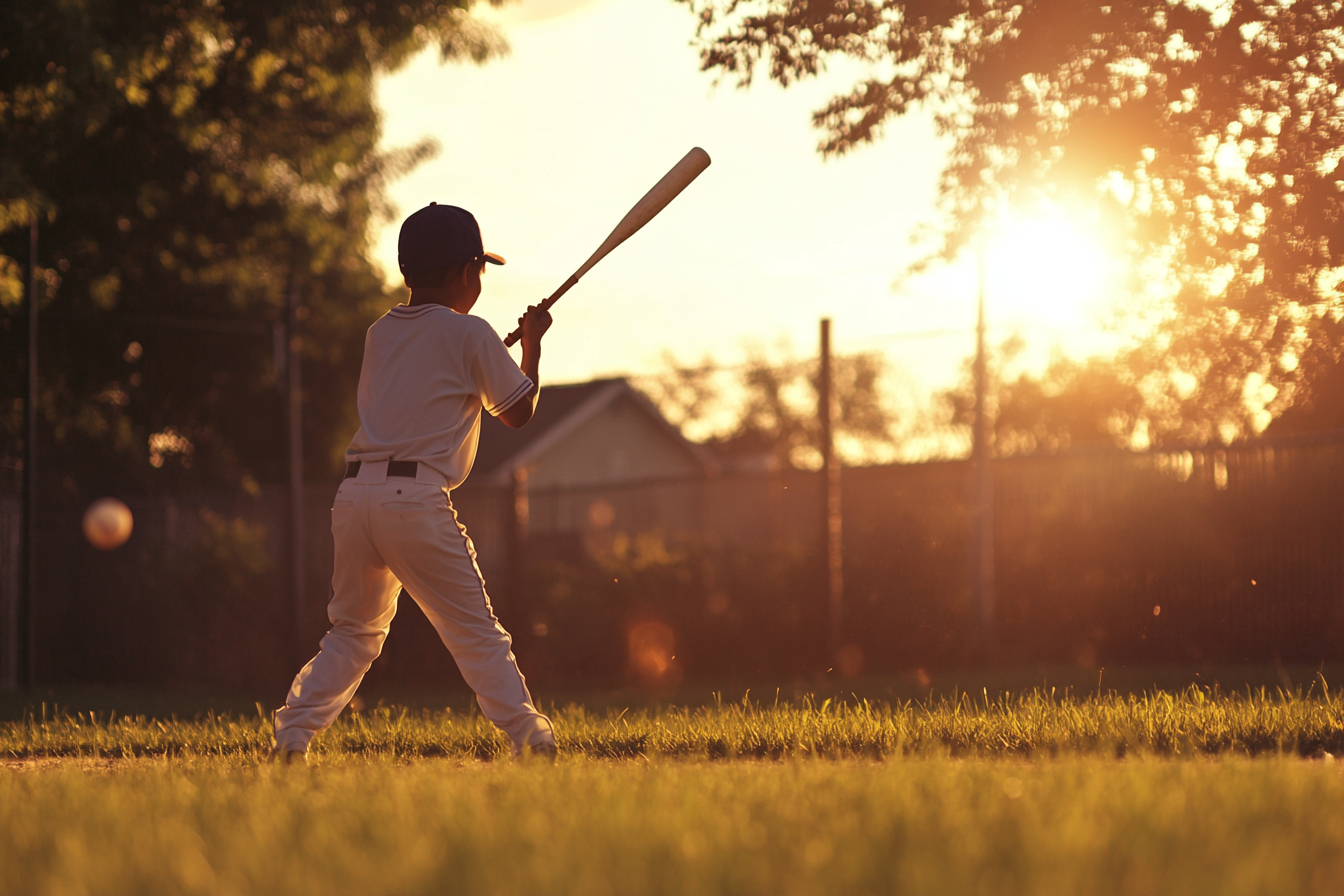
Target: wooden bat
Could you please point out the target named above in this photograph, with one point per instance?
(654, 201)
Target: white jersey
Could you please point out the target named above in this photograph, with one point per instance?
(428, 371)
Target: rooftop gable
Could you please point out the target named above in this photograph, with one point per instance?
(561, 411)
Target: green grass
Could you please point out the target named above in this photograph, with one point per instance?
(1195, 792)
(1196, 721)
(922, 826)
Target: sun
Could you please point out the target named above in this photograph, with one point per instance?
(1047, 272)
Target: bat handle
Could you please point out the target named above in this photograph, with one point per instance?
(545, 305)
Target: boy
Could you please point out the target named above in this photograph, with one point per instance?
(429, 369)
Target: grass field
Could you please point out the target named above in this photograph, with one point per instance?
(1194, 792)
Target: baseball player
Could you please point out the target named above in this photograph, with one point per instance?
(429, 369)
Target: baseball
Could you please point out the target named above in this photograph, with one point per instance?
(107, 524)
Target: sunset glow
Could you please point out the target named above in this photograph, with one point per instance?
(1048, 273)
(770, 239)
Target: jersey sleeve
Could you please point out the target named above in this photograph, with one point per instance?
(499, 382)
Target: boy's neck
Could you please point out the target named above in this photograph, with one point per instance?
(440, 295)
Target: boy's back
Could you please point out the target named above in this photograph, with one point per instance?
(428, 371)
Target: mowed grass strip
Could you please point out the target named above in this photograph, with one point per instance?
(1190, 723)
(351, 825)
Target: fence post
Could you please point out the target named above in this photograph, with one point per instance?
(294, 415)
(23, 657)
(830, 491)
(983, 482)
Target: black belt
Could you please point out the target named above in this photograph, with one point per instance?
(406, 469)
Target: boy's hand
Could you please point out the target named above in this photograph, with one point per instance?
(535, 323)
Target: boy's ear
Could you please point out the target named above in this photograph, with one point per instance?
(464, 276)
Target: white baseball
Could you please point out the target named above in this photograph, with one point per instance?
(107, 524)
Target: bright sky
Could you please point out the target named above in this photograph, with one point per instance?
(551, 145)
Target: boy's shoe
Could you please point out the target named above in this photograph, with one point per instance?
(544, 750)
(288, 757)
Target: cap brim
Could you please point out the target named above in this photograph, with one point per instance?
(493, 258)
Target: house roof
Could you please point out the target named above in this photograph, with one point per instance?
(560, 411)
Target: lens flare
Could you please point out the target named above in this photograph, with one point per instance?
(653, 656)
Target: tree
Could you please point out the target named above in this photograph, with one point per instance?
(1208, 133)
(765, 412)
(1071, 404)
(190, 163)
(1322, 411)
(1127, 401)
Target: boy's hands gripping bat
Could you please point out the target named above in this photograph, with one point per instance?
(654, 201)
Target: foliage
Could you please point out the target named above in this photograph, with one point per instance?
(221, 575)
(765, 411)
(1129, 401)
(709, 609)
(1322, 410)
(1071, 404)
(1207, 134)
(190, 163)
(1075, 404)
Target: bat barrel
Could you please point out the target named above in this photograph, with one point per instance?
(643, 211)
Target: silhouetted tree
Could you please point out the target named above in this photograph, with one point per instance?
(1128, 400)
(1208, 133)
(1321, 410)
(195, 160)
(1070, 404)
(766, 411)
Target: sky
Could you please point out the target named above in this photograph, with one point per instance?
(597, 99)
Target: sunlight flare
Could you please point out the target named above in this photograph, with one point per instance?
(1048, 272)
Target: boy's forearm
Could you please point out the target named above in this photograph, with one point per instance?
(530, 366)
(534, 323)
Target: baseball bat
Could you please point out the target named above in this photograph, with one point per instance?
(654, 201)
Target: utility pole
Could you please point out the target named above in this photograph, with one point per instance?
(294, 413)
(830, 490)
(983, 478)
(22, 671)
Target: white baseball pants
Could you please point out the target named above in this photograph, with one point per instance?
(390, 532)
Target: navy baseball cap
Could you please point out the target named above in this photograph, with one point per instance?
(440, 236)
